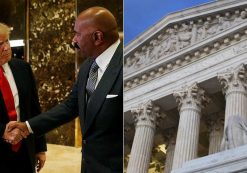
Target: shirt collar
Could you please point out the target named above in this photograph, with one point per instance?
(6, 67)
(104, 59)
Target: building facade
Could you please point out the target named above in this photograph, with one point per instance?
(185, 92)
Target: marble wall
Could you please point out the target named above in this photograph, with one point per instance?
(52, 59)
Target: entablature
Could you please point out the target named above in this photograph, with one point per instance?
(181, 42)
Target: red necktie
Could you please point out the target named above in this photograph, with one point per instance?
(9, 102)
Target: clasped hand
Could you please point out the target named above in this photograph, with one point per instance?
(15, 132)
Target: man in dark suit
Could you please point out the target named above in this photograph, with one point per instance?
(18, 101)
(97, 96)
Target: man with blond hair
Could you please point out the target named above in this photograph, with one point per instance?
(18, 102)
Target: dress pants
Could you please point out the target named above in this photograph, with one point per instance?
(15, 162)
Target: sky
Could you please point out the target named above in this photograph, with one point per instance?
(139, 15)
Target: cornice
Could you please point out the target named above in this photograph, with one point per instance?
(187, 56)
(187, 14)
(199, 71)
(208, 28)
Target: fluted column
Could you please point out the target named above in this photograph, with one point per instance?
(234, 85)
(171, 137)
(145, 117)
(190, 101)
(216, 128)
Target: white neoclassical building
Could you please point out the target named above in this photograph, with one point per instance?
(185, 92)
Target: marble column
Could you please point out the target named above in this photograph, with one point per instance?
(234, 83)
(216, 128)
(170, 148)
(145, 118)
(190, 102)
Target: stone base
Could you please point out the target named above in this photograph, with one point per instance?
(229, 161)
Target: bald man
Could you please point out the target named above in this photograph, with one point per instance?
(97, 96)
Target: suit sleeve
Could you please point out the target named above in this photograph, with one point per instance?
(2, 120)
(40, 141)
(2, 129)
(58, 115)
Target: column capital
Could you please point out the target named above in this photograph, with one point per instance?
(234, 80)
(146, 114)
(193, 97)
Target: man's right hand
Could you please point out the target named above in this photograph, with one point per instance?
(13, 136)
(15, 131)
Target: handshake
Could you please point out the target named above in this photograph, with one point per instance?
(15, 132)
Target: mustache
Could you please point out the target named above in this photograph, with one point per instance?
(75, 45)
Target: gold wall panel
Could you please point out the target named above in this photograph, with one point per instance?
(52, 59)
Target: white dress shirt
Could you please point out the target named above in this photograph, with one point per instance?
(104, 59)
(9, 76)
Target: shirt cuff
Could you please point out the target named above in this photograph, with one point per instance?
(29, 127)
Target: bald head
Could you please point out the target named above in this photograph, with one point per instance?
(99, 18)
(95, 31)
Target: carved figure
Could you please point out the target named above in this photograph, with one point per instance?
(171, 44)
(223, 24)
(184, 36)
(212, 28)
(140, 58)
(202, 31)
(240, 18)
(235, 133)
(129, 65)
(155, 50)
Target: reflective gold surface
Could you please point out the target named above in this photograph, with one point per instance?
(52, 59)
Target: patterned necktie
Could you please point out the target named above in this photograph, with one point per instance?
(93, 75)
(9, 102)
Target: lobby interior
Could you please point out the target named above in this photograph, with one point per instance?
(42, 33)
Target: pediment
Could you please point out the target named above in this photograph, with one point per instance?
(183, 37)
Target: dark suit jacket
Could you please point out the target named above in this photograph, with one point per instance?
(101, 118)
(29, 107)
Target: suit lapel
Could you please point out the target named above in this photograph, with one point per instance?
(82, 88)
(107, 81)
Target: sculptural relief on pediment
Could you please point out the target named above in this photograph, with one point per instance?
(178, 36)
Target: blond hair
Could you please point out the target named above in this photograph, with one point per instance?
(4, 30)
